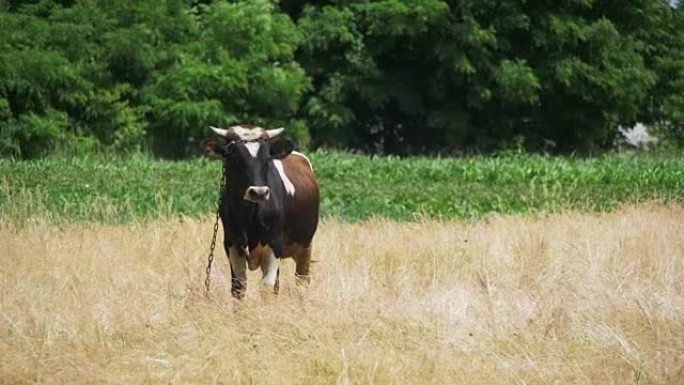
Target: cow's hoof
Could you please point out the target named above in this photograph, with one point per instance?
(238, 293)
(302, 280)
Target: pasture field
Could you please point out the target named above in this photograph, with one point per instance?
(354, 187)
(563, 298)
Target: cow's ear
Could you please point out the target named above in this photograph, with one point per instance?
(213, 148)
(281, 149)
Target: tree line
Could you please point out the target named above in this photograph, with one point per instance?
(390, 76)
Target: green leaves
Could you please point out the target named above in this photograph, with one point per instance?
(252, 30)
(238, 68)
(394, 18)
(517, 82)
(127, 73)
(389, 76)
(567, 72)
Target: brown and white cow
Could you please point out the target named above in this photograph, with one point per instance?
(269, 207)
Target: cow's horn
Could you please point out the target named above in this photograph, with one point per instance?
(219, 131)
(274, 132)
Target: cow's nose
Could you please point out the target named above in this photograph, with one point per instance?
(257, 194)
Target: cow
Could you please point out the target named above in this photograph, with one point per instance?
(269, 207)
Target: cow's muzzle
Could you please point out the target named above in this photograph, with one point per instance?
(257, 194)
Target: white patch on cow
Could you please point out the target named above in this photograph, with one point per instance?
(289, 187)
(269, 268)
(246, 133)
(238, 263)
(305, 157)
(253, 148)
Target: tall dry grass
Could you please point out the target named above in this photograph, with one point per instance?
(566, 299)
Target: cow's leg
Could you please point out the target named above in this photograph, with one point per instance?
(238, 271)
(276, 287)
(270, 268)
(303, 264)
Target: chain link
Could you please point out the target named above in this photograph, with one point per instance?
(207, 280)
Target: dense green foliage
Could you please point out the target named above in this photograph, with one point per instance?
(353, 187)
(110, 74)
(397, 76)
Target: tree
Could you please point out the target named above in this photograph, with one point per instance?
(435, 75)
(392, 76)
(122, 75)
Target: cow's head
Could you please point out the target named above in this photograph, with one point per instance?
(248, 152)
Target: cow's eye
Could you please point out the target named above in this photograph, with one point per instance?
(230, 151)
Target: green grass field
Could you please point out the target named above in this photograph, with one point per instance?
(353, 187)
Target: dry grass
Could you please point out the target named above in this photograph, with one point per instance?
(573, 298)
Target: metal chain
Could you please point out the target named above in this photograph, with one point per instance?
(207, 280)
